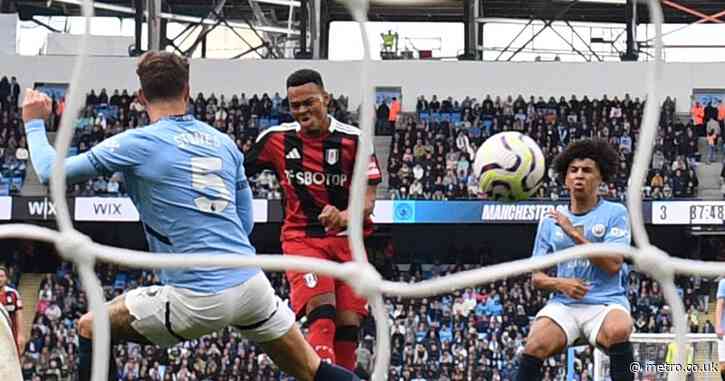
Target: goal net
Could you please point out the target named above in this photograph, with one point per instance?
(653, 353)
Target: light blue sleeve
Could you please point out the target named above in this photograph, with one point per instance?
(244, 199)
(122, 152)
(77, 168)
(619, 230)
(721, 289)
(542, 245)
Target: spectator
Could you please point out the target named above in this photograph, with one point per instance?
(711, 146)
(14, 92)
(698, 115)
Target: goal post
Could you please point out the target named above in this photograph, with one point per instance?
(651, 357)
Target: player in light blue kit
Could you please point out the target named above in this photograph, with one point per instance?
(589, 300)
(188, 182)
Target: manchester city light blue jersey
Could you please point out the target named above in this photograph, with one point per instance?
(188, 183)
(721, 295)
(608, 222)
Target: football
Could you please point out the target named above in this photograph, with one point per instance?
(510, 167)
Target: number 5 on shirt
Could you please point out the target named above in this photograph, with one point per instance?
(202, 178)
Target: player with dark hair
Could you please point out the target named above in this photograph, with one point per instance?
(188, 182)
(313, 159)
(589, 300)
(10, 299)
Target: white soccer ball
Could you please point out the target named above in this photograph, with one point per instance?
(510, 167)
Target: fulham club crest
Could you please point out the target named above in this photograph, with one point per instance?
(311, 280)
(332, 156)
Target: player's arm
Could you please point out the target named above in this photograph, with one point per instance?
(244, 200)
(611, 265)
(36, 109)
(20, 334)
(574, 288)
(260, 156)
(719, 306)
(333, 219)
(718, 316)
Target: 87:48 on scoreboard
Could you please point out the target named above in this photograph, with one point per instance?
(688, 213)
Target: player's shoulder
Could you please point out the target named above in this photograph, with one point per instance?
(544, 223)
(343, 128)
(614, 207)
(215, 133)
(278, 130)
(10, 290)
(133, 136)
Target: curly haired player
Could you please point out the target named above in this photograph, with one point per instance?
(589, 300)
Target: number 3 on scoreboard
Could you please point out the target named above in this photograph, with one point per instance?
(203, 178)
(663, 212)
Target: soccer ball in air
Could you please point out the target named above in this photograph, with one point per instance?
(510, 167)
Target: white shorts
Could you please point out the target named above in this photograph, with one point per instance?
(721, 349)
(167, 315)
(579, 321)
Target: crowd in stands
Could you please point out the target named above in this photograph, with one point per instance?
(431, 153)
(470, 334)
(13, 148)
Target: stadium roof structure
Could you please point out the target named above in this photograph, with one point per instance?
(282, 20)
(677, 11)
(582, 11)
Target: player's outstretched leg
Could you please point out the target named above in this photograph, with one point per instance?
(294, 356)
(545, 339)
(121, 330)
(614, 336)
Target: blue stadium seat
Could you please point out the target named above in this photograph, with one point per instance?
(17, 183)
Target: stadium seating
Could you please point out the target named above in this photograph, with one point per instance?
(431, 154)
(13, 148)
(473, 333)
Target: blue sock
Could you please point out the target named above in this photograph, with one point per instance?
(529, 368)
(327, 372)
(621, 357)
(85, 357)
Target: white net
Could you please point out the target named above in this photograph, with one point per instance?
(653, 351)
(78, 248)
(9, 366)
